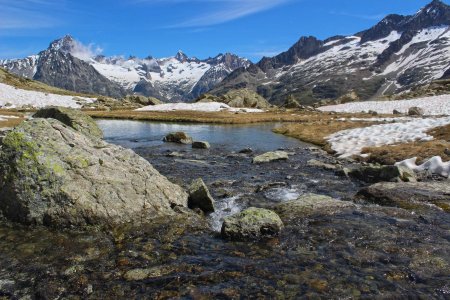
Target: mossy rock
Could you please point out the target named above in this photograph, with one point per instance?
(72, 118)
(252, 223)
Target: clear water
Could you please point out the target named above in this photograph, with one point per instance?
(134, 134)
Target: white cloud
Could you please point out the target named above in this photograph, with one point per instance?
(85, 52)
(27, 14)
(221, 11)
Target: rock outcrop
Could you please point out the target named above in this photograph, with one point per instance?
(57, 176)
(374, 174)
(252, 223)
(72, 118)
(423, 195)
(238, 98)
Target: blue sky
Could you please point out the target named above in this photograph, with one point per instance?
(201, 28)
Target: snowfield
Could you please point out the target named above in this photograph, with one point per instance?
(206, 107)
(350, 142)
(5, 118)
(11, 97)
(434, 165)
(432, 106)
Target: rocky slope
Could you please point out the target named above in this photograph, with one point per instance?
(396, 55)
(70, 65)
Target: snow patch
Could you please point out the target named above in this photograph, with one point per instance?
(434, 165)
(351, 142)
(206, 107)
(433, 106)
(11, 97)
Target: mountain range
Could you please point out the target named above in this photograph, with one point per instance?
(394, 56)
(68, 64)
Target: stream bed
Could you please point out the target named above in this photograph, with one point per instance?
(365, 252)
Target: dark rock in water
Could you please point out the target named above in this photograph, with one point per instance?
(56, 176)
(201, 145)
(246, 151)
(374, 174)
(178, 137)
(270, 157)
(310, 204)
(396, 112)
(252, 223)
(409, 195)
(416, 111)
(200, 197)
(72, 118)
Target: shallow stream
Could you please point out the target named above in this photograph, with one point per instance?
(365, 252)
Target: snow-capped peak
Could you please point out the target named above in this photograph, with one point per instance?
(180, 56)
(65, 44)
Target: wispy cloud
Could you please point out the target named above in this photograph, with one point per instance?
(27, 14)
(219, 11)
(359, 16)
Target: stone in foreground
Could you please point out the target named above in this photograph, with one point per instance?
(425, 195)
(309, 205)
(251, 224)
(201, 145)
(200, 197)
(270, 157)
(178, 137)
(56, 176)
(416, 111)
(72, 118)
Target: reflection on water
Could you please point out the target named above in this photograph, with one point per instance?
(133, 134)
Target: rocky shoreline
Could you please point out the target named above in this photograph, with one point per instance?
(115, 227)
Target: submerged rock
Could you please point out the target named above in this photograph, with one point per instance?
(310, 204)
(57, 176)
(409, 195)
(321, 164)
(178, 137)
(270, 157)
(201, 145)
(374, 174)
(200, 197)
(252, 223)
(72, 118)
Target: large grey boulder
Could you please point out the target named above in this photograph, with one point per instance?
(309, 205)
(72, 118)
(200, 197)
(57, 176)
(418, 195)
(374, 174)
(178, 137)
(270, 157)
(252, 223)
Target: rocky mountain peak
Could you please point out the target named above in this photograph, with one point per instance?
(64, 44)
(181, 56)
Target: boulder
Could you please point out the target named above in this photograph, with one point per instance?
(374, 174)
(309, 205)
(396, 112)
(416, 111)
(409, 195)
(178, 137)
(56, 176)
(238, 98)
(201, 145)
(143, 100)
(200, 197)
(270, 157)
(252, 223)
(246, 151)
(72, 118)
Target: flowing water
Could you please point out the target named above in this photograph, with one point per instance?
(363, 252)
